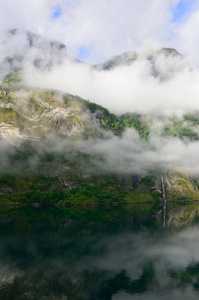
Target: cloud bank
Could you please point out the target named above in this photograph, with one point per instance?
(130, 154)
(163, 85)
(105, 28)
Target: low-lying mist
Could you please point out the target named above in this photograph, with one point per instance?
(126, 154)
(158, 84)
(155, 83)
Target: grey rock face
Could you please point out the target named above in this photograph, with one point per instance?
(20, 46)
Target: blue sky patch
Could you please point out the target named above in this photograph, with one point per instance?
(57, 11)
(83, 53)
(182, 10)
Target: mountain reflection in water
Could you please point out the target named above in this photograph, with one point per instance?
(120, 252)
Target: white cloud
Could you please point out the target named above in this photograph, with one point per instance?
(187, 38)
(108, 28)
(105, 27)
(129, 88)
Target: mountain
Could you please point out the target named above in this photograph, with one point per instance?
(58, 148)
(118, 60)
(164, 63)
(20, 46)
(47, 159)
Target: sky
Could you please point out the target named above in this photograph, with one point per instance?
(182, 10)
(94, 30)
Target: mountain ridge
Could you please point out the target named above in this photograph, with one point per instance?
(51, 136)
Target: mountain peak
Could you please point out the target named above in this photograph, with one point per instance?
(22, 45)
(36, 40)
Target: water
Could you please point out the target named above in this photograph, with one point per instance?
(101, 253)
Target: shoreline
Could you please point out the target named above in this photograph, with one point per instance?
(35, 205)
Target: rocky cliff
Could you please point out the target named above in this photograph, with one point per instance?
(48, 138)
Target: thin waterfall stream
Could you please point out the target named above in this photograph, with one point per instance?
(164, 197)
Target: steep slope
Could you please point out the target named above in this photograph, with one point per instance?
(20, 46)
(59, 148)
(123, 59)
(48, 161)
(162, 62)
(32, 114)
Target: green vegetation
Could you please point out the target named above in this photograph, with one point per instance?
(182, 131)
(32, 188)
(135, 121)
(117, 125)
(34, 173)
(5, 96)
(120, 60)
(39, 176)
(44, 177)
(12, 78)
(9, 115)
(107, 120)
(192, 118)
(33, 105)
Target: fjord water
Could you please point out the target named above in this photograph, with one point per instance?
(108, 252)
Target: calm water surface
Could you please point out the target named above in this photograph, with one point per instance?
(120, 253)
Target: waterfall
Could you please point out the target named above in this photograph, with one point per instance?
(163, 189)
(164, 197)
